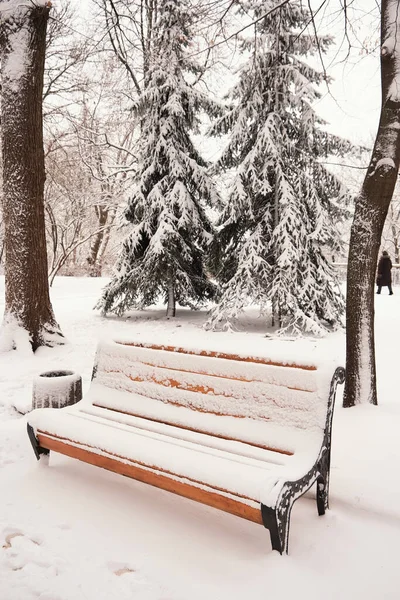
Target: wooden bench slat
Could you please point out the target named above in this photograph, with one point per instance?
(198, 389)
(70, 448)
(298, 409)
(228, 377)
(215, 354)
(185, 490)
(114, 357)
(248, 431)
(188, 428)
(217, 466)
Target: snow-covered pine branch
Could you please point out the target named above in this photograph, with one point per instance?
(279, 223)
(166, 250)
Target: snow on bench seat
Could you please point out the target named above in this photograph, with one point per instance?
(220, 469)
(244, 434)
(259, 433)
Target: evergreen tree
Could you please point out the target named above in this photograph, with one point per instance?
(280, 221)
(166, 248)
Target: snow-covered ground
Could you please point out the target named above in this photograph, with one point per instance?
(75, 532)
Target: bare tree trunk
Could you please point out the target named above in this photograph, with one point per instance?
(105, 241)
(276, 308)
(395, 235)
(369, 218)
(171, 307)
(1, 242)
(97, 240)
(22, 46)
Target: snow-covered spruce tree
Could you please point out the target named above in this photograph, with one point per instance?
(278, 229)
(28, 311)
(164, 253)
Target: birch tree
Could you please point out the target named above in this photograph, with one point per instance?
(27, 301)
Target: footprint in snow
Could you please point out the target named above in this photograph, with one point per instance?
(133, 583)
(120, 569)
(21, 551)
(27, 568)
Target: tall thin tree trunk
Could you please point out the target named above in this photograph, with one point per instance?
(369, 217)
(97, 240)
(105, 241)
(276, 307)
(22, 45)
(395, 235)
(171, 307)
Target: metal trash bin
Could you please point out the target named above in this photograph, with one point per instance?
(56, 389)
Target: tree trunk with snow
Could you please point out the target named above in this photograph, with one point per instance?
(395, 235)
(105, 241)
(171, 306)
(369, 217)
(100, 240)
(22, 44)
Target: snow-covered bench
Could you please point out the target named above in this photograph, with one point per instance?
(247, 435)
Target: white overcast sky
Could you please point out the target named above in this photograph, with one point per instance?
(352, 105)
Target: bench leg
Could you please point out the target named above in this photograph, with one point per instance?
(322, 496)
(38, 450)
(323, 484)
(277, 521)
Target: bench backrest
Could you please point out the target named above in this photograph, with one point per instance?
(266, 390)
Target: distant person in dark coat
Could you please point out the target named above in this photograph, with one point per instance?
(384, 276)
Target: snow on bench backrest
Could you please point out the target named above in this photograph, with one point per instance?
(292, 395)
